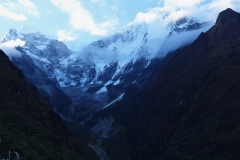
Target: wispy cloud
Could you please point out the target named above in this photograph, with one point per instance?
(29, 7)
(4, 12)
(18, 11)
(82, 19)
(170, 10)
(65, 35)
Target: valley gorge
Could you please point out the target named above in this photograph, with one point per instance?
(183, 104)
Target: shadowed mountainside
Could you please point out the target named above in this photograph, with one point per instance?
(193, 110)
(28, 125)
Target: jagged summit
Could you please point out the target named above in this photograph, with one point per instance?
(181, 25)
(227, 25)
(227, 15)
(12, 34)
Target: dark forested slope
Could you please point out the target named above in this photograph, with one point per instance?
(28, 125)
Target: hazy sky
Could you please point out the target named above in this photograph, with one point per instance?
(83, 21)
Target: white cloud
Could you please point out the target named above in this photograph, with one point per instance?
(65, 36)
(4, 12)
(29, 7)
(18, 11)
(81, 19)
(9, 47)
(177, 41)
(170, 10)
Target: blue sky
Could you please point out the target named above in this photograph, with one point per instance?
(83, 21)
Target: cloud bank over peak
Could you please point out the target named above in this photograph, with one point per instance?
(171, 10)
(9, 47)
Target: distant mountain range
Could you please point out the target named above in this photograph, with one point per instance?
(97, 76)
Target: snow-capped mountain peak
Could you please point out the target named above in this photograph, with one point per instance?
(99, 73)
(12, 34)
(184, 24)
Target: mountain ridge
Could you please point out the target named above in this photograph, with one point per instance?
(99, 74)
